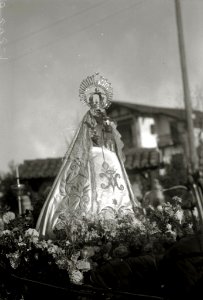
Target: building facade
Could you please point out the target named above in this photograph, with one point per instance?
(167, 128)
(151, 137)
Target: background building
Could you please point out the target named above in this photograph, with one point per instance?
(152, 137)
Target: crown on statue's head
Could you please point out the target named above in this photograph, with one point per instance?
(96, 92)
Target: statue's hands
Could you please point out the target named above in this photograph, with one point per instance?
(95, 138)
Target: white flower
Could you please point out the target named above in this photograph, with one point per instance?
(83, 265)
(168, 226)
(179, 215)
(21, 244)
(67, 243)
(32, 234)
(8, 216)
(136, 224)
(14, 259)
(6, 232)
(54, 250)
(113, 233)
(62, 263)
(169, 230)
(159, 208)
(42, 244)
(76, 277)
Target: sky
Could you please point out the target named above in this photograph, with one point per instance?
(53, 45)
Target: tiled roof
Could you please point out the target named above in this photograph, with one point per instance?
(48, 168)
(154, 110)
(40, 168)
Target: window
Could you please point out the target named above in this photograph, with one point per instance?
(175, 133)
(125, 129)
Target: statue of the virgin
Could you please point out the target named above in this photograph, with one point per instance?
(92, 178)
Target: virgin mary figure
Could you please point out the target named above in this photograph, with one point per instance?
(92, 178)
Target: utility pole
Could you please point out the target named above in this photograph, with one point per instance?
(192, 159)
(186, 91)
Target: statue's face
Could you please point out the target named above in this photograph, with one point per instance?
(96, 102)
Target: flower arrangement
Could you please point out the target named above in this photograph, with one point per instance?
(82, 244)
